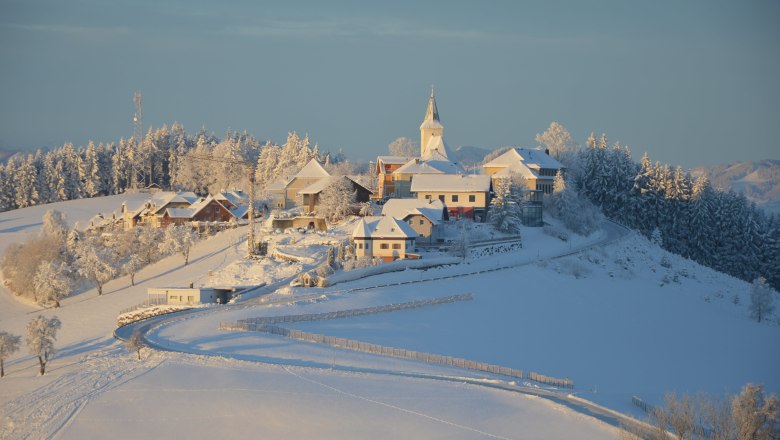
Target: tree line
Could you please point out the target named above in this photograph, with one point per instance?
(716, 228)
(167, 157)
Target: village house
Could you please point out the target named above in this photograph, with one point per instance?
(384, 237)
(463, 196)
(189, 295)
(534, 165)
(424, 216)
(207, 209)
(305, 187)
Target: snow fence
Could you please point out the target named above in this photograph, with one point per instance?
(266, 325)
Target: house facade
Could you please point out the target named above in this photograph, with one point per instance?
(385, 237)
(424, 216)
(463, 196)
(535, 166)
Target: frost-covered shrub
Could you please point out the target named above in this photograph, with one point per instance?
(557, 232)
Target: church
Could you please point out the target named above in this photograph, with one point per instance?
(395, 173)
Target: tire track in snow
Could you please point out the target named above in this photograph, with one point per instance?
(397, 408)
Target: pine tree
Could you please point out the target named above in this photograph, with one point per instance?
(761, 299)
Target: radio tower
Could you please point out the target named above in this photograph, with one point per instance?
(138, 130)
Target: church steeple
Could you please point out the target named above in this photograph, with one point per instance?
(431, 126)
(432, 113)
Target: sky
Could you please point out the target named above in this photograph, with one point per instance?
(690, 83)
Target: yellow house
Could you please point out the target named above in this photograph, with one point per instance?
(285, 192)
(384, 237)
(464, 196)
(534, 165)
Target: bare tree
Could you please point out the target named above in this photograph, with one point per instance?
(716, 415)
(9, 344)
(179, 239)
(41, 334)
(135, 343)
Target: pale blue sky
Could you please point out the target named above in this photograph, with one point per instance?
(690, 82)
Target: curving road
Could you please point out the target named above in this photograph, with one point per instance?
(614, 232)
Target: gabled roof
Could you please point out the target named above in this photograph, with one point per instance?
(234, 198)
(433, 166)
(179, 213)
(313, 169)
(383, 227)
(532, 158)
(393, 159)
(240, 212)
(433, 210)
(451, 183)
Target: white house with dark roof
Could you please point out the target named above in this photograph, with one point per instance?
(384, 237)
(534, 165)
(464, 196)
(424, 216)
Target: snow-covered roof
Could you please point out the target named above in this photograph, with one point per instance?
(316, 187)
(179, 212)
(531, 157)
(432, 209)
(383, 227)
(312, 169)
(234, 197)
(451, 183)
(418, 166)
(240, 211)
(277, 185)
(393, 159)
(431, 123)
(517, 168)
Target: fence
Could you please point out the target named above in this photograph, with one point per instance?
(265, 324)
(646, 407)
(357, 312)
(150, 302)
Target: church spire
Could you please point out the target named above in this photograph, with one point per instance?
(432, 113)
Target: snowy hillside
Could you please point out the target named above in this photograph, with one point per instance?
(613, 312)
(758, 181)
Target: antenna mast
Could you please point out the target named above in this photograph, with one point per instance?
(138, 130)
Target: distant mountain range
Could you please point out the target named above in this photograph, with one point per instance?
(5, 154)
(758, 181)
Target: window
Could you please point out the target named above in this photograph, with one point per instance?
(472, 198)
(422, 222)
(441, 197)
(427, 197)
(360, 245)
(190, 298)
(454, 197)
(396, 245)
(383, 246)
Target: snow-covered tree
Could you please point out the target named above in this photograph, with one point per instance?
(9, 344)
(96, 262)
(179, 239)
(337, 199)
(51, 283)
(55, 225)
(755, 415)
(132, 266)
(504, 211)
(41, 334)
(135, 343)
(761, 299)
(148, 241)
(558, 141)
(404, 147)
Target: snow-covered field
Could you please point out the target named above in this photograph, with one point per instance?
(613, 318)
